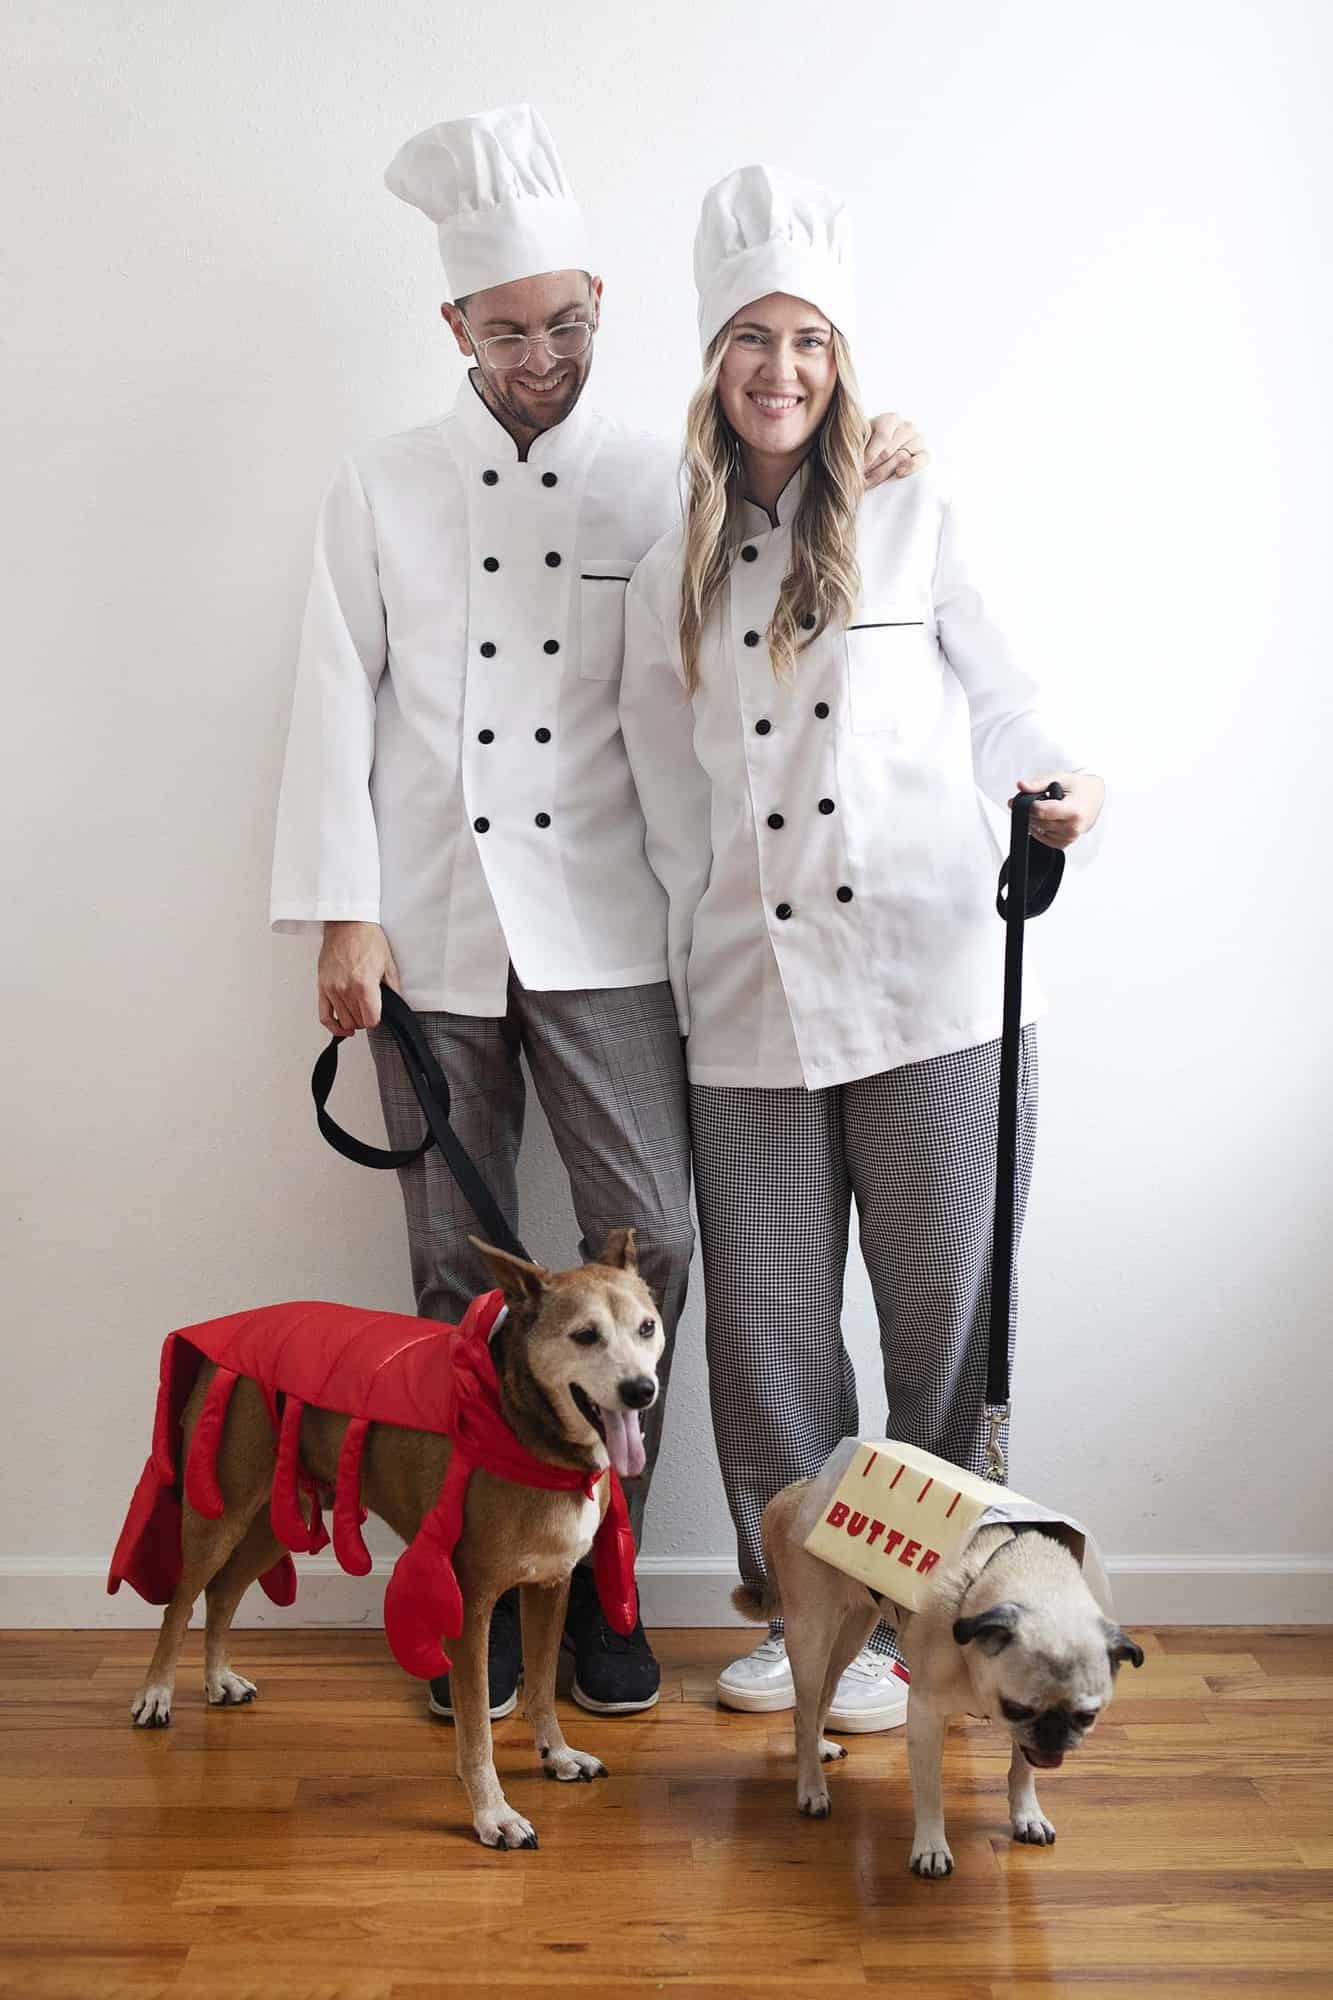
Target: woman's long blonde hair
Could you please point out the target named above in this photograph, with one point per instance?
(824, 580)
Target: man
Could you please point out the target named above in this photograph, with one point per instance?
(457, 813)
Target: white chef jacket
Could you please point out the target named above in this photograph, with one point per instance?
(829, 865)
(455, 770)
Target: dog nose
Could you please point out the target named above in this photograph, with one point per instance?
(637, 1391)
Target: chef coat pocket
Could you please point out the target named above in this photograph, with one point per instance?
(602, 589)
(893, 675)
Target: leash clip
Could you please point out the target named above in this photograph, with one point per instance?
(997, 1416)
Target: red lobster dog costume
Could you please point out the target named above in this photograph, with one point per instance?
(376, 1368)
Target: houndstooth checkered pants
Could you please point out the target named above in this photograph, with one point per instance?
(776, 1172)
(610, 1074)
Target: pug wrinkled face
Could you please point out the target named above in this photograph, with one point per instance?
(593, 1346)
(1046, 1674)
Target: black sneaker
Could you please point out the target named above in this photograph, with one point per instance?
(504, 1664)
(612, 1676)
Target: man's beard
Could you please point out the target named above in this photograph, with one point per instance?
(541, 415)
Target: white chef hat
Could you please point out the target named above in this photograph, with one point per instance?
(762, 231)
(495, 186)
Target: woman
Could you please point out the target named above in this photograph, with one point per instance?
(813, 703)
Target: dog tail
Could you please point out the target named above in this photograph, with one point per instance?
(758, 1602)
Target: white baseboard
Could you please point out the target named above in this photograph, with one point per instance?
(52, 1592)
(1223, 1590)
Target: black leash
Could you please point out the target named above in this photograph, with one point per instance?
(1027, 886)
(1028, 882)
(432, 1093)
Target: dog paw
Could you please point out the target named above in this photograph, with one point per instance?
(151, 1708)
(813, 1802)
(572, 1767)
(504, 1828)
(932, 1863)
(1034, 1828)
(830, 1753)
(229, 1690)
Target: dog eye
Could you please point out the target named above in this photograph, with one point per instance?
(1014, 1713)
(587, 1336)
(1086, 1717)
(648, 1329)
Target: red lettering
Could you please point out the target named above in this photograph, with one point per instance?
(876, 1530)
(910, 1553)
(856, 1526)
(837, 1514)
(928, 1561)
(891, 1540)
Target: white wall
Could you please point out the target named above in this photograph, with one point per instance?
(1093, 269)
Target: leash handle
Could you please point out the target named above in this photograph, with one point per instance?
(431, 1088)
(1027, 886)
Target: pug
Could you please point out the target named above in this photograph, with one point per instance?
(1009, 1631)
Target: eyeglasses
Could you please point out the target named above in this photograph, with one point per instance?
(506, 351)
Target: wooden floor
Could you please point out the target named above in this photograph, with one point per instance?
(314, 1846)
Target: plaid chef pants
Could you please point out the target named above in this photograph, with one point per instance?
(608, 1069)
(776, 1172)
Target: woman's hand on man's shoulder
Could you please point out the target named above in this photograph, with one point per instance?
(895, 449)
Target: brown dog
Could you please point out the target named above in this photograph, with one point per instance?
(576, 1360)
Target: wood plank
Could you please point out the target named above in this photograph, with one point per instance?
(316, 1843)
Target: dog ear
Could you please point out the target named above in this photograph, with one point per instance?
(992, 1629)
(619, 1252)
(522, 1283)
(1120, 1646)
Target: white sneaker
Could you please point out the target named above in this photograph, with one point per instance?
(759, 1682)
(872, 1694)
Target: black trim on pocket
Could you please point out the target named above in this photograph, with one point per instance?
(885, 624)
(604, 579)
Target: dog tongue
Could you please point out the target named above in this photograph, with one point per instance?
(624, 1441)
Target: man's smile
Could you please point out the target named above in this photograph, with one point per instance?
(546, 386)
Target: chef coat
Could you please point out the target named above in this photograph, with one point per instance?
(455, 770)
(829, 864)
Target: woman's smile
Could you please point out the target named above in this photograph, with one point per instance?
(770, 404)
